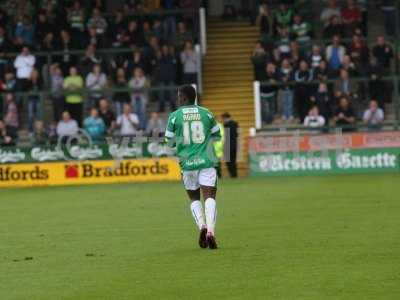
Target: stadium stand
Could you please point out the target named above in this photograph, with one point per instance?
(69, 55)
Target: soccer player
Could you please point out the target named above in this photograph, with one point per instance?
(193, 130)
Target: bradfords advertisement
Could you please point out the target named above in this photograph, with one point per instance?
(88, 172)
(325, 154)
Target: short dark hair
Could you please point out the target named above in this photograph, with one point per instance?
(189, 92)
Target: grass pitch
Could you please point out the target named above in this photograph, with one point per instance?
(280, 238)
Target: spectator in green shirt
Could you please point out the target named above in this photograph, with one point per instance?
(73, 85)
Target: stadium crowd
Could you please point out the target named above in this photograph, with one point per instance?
(59, 46)
(323, 72)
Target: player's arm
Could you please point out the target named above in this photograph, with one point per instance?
(170, 131)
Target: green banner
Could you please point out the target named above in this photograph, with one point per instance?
(325, 162)
(80, 152)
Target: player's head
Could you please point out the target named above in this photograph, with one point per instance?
(186, 95)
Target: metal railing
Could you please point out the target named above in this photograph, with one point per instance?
(392, 79)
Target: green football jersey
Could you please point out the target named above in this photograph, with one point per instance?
(194, 130)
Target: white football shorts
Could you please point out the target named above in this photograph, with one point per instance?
(193, 179)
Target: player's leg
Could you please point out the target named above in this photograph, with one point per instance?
(208, 184)
(190, 181)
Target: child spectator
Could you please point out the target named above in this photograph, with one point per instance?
(95, 126)
(314, 119)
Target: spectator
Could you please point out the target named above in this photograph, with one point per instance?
(344, 115)
(322, 100)
(43, 27)
(189, 62)
(334, 27)
(169, 22)
(94, 126)
(9, 84)
(24, 64)
(117, 29)
(139, 95)
(11, 117)
(39, 136)
(132, 37)
(96, 82)
(120, 97)
(373, 117)
(5, 47)
(167, 72)
(332, 10)
(66, 45)
(383, 53)
(182, 36)
(7, 137)
(349, 66)
(335, 53)
(303, 76)
(128, 122)
(107, 115)
(66, 127)
(359, 53)
(389, 16)
(316, 56)
(34, 98)
(283, 49)
(283, 18)
(286, 92)
(76, 18)
(301, 31)
(351, 17)
(89, 60)
(24, 31)
(378, 88)
(57, 96)
(269, 93)
(155, 126)
(265, 20)
(344, 86)
(97, 22)
(259, 58)
(137, 61)
(73, 85)
(314, 119)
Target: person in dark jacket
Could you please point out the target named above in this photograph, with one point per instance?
(269, 93)
(231, 143)
(166, 77)
(383, 53)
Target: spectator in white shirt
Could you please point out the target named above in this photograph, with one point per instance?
(96, 81)
(24, 64)
(128, 122)
(314, 119)
(66, 127)
(373, 116)
(189, 62)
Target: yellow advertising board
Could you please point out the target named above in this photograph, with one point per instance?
(89, 172)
